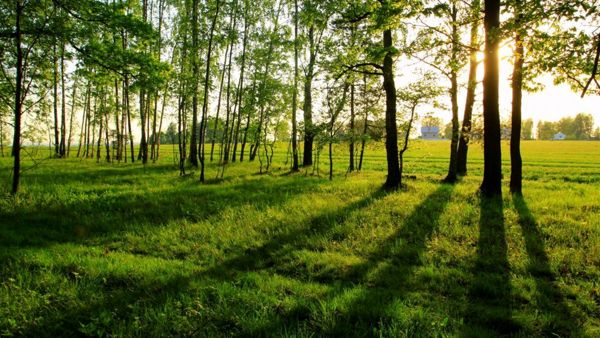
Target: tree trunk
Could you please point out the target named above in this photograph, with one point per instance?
(492, 171)
(351, 146)
(63, 106)
(240, 94)
(206, 89)
(228, 121)
(295, 93)
(452, 168)
(465, 134)
(71, 117)
(55, 100)
(365, 125)
(394, 179)
(307, 106)
(16, 147)
(216, 124)
(516, 163)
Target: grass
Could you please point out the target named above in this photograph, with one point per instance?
(124, 250)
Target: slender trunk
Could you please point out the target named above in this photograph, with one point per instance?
(73, 106)
(117, 116)
(516, 162)
(195, 73)
(351, 146)
(492, 171)
(295, 93)
(83, 119)
(98, 152)
(452, 167)
(261, 89)
(394, 178)
(206, 89)
(228, 120)
(63, 108)
(309, 134)
(463, 144)
(16, 148)
(129, 128)
(240, 91)
(55, 99)
(220, 96)
(247, 127)
(406, 138)
(225, 137)
(107, 139)
(365, 124)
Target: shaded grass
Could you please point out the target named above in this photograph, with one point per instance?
(118, 249)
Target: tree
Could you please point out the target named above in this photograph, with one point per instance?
(465, 131)
(492, 171)
(527, 129)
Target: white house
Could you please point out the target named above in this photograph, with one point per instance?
(430, 133)
(559, 136)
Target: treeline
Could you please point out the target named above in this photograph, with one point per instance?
(237, 76)
(580, 127)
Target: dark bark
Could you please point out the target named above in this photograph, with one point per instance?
(240, 92)
(309, 134)
(63, 106)
(365, 125)
(295, 93)
(16, 148)
(55, 100)
(193, 153)
(492, 171)
(453, 165)
(228, 120)
(463, 143)
(71, 117)
(394, 179)
(516, 162)
(206, 90)
(352, 116)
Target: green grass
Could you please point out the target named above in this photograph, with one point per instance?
(123, 250)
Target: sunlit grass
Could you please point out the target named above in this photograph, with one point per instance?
(126, 250)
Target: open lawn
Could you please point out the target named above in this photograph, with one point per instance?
(125, 250)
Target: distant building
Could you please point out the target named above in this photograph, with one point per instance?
(430, 133)
(559, 136)
(505, 133)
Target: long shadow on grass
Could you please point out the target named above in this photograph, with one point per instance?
(81, 218)
(266, 255)
(387, 271)
(489, 303)
(548, 296)
(383, 277)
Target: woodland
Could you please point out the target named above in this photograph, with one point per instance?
(253, 168)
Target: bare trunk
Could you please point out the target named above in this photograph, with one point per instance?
(492, 172)
(394, 178)
(516, 162)
(465, 134)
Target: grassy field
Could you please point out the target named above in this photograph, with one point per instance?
(125, 250)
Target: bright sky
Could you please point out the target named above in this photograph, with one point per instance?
(550, 104)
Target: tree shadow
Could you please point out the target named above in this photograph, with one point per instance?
(96, 213)
(383, 276)
(549, 298)
(281, 245)
(386, 272)
(489, 305)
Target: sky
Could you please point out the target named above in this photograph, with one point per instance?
(550, 104)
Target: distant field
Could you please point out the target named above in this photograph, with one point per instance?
(124, 250)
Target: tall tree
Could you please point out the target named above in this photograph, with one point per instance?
(492, 168)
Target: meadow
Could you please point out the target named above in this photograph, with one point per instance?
(115, 249)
